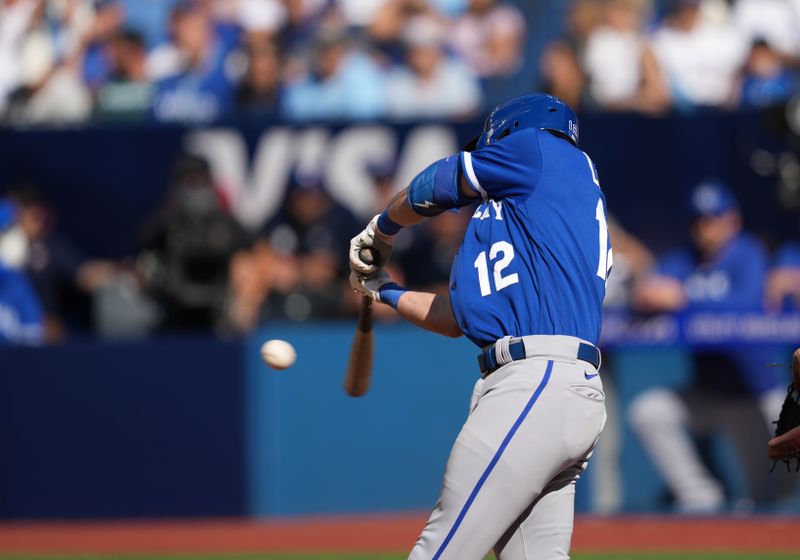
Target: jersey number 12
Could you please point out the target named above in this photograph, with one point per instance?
(505, 249)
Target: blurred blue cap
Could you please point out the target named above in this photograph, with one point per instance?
(712, 197)
(7, 214)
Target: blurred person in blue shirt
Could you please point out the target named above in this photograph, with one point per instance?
(193, 84)
(343, 83)
(21, 317)
(767, 80)
(732, 390)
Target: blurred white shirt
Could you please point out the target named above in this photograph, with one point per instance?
(15, 20)
(452, 92)
(700, 65)
(613, 62)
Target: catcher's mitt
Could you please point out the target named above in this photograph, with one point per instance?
(785, 446)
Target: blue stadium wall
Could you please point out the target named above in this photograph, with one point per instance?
(193, 426)
(198, 427)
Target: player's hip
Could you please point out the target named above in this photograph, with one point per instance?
(558, 348)
(564, 367)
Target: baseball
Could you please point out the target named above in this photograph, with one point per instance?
(278, 354)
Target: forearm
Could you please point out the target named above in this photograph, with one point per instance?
(429, 311)
(400, 212)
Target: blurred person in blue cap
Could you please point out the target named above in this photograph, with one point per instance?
(21, 317)
(732, 390)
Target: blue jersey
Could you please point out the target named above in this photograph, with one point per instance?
(536, 253)
(733, 280)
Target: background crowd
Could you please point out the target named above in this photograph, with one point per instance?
(66, 61)
(193, 60)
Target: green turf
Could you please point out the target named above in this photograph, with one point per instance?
(610, 556)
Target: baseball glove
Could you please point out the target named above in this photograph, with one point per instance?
(785, 446)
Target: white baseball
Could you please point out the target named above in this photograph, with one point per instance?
(278, 354)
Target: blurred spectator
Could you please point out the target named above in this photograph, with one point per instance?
(777, 22)
(303, 254)
(489, 36)
(193, 84)
(562, 74)
(386, 30)
(16, 19)
(97, 63)
(128, 93)
(304, 21)
(432, 84)
(186, 250)
(732, 391)
(260, 91)
(767, 79)
(622, 70)
(700, 58)
(583, 18)
(343, 83)
(63, 277)
(20, 310)
(50, 85)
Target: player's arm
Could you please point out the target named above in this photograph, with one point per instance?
(426, 310)
(440, 187)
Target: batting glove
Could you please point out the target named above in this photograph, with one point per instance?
(374, 239)
(370, 286)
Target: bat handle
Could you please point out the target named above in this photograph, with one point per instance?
(368, 255)
(365, 315)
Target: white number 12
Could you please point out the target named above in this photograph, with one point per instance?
(507, 250)
(606, 256)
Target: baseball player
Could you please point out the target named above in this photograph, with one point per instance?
(526, 286)
(732, 390)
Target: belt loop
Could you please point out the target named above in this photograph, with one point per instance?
(502, 352)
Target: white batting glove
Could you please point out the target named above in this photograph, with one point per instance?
(369, 286)
(373, 239)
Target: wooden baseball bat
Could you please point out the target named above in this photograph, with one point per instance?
(359, 367)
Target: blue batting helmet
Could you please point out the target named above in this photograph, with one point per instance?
(536, 110)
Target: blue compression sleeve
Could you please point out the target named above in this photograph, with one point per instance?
(437, 188)
(390, 294)
(386, 225)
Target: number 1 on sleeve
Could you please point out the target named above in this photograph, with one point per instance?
(606, 256)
